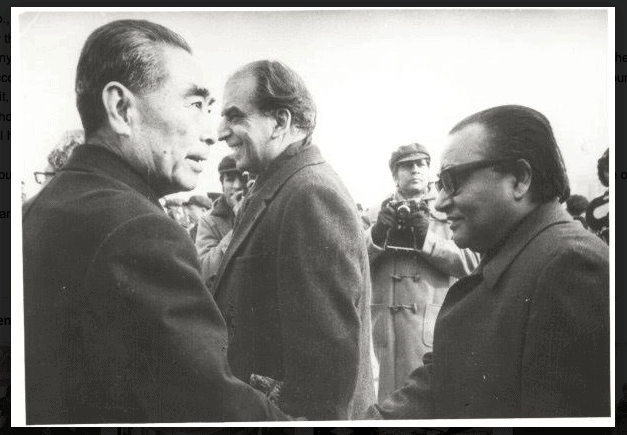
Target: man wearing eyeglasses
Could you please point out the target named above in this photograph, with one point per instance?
(413, 263)
(527, 333)
(59, 155)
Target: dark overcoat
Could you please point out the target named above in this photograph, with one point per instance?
(119, 326)
(294, 287)
(526, 335)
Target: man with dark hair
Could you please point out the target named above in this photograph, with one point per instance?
(576, 206)
(215, 228)
(413, 263)
(598, 211)
(527, 333)
(119, 326)
(294, 282)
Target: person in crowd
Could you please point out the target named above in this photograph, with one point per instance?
(57, 158)
(195, 207)
(119, 325)
(294, 283)
(60, 155)
(576, 206)
(598, 212)
(214, 228)
(413, 262)
(527, 333)
(175, 209)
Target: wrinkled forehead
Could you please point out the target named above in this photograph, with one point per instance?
(469, 144)
(239, 90)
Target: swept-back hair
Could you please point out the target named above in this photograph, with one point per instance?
(280, 87)
(126, 51)
(519, 132)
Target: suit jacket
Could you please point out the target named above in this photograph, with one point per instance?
(526, 335)
(294, 288)
(119, 327)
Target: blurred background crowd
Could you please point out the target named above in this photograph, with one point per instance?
(187, 208)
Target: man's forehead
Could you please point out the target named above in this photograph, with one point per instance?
(185, 72)
(465, 145)
(239, 90)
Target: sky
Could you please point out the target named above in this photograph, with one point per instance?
(380, 78)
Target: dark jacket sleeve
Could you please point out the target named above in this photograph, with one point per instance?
(322, 286)
(412, 401)
(566, 352)
(164, 336)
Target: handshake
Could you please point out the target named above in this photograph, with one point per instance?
(403, 222)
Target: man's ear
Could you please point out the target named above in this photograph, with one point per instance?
(523, 175)
(283, 119)
(118, 102)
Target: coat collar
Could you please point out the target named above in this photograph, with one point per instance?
(97, 159)
(543, 217)
(262, 194)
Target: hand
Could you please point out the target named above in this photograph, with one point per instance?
(419, 222)
(386, 220)
(235, 200)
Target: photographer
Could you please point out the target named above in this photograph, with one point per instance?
(214, 228)
(413, 263)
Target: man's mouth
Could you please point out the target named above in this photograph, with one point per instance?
(196, 161)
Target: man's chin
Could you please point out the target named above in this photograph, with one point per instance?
(460, 240)
(185, 184)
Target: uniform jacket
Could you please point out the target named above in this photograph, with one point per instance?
(526, 335)
(119, 327)
(213, 237)
(407, 292)
(294, 288)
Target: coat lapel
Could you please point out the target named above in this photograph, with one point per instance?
(258, 203)
(545, 216)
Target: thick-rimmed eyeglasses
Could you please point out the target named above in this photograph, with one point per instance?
(42, 177)
(450, 178)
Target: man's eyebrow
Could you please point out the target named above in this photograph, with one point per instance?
(199, 91)
(231, 111)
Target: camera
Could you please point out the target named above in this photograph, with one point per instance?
(404, 208)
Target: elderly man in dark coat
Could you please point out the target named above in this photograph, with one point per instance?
(527, 333)
(119, 326)
(294, 282)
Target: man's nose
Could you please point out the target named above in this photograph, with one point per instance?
(238, 183)
(223, 130)
(208, 134)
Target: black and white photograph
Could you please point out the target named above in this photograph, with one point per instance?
(373, 217)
